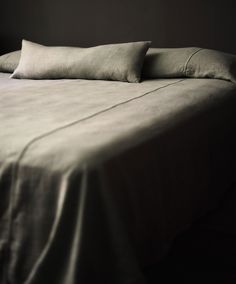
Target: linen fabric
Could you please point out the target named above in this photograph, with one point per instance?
(167, 62)
(207, 63)
(190, 62)
(9, 61)
(121, 62)
(98, 177)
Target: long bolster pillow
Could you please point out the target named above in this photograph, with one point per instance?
(121, 62)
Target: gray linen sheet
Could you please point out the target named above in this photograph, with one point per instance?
(98, 177)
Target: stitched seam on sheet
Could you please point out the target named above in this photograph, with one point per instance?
(22, 153)
(188, 60)
(27, 146)
(88, 117)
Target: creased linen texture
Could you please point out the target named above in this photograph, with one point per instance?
(119, 62)
(192, 62)
(98, 177)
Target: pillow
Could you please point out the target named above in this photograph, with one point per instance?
(121, 62)
(9, 61)
(207, 63)
(166, 62)
(190, 62)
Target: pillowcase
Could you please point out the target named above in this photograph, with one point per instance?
(166, 62)
(190, 62)
(121, 62)
(207, 63)
(9, 61)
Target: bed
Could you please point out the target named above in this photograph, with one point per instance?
(99, 177)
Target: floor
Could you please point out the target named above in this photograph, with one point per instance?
(204, 254)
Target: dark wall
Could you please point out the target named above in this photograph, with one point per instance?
(169, 23)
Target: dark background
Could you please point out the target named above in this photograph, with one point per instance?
(168, 23)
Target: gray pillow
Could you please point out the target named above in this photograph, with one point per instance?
(121, 62)
(9, 61)
(190, 62)
(166, 62)
(207, 63)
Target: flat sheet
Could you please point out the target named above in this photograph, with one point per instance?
(98, 177)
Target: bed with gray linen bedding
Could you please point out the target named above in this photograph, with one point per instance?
(98, 177)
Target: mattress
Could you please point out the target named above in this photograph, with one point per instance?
(98, 177)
